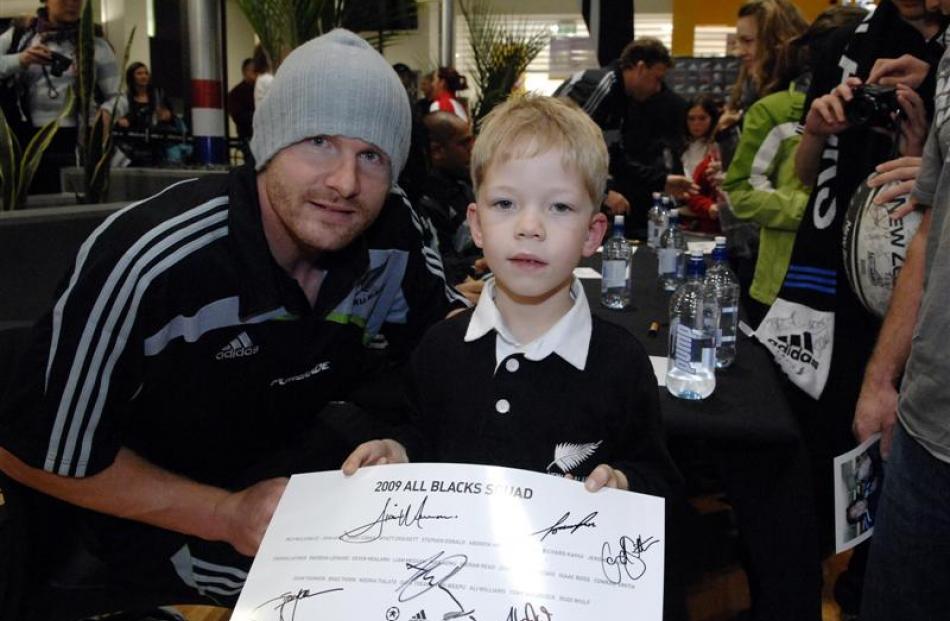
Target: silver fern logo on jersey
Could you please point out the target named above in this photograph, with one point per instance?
(568, 456)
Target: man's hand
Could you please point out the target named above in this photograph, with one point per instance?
(244, 515)
(375, 453)
(471, 289)
(36, 54)
(727, 119)
(915, 125)
(123, 122)
(826, 115)
(876, 411)
(616, 203)
(903, 170)
(605, 476)
(907, 70)
(679, 186)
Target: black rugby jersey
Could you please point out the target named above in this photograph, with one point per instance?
(544, 415)
(178, 336)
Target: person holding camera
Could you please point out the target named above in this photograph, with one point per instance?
(37, 68)
(848, 129)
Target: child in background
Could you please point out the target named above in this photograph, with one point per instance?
(701, 164)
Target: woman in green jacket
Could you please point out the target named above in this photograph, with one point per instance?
(761, 182)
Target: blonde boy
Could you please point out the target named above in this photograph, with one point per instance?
(529, 379)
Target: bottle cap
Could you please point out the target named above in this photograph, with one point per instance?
(696, 253)
(618, 220)
(720, 240)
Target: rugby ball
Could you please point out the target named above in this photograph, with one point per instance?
(875, 246)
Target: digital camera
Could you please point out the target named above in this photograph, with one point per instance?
(59, 63)
(873, 106)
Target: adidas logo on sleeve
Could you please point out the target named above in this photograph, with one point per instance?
(240, 347)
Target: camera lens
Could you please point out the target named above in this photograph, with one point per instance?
(860, 109)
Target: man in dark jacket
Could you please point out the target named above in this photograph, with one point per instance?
(241, 101)
(181, 374)
(606, 95)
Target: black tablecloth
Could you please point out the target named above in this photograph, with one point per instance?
(757, 446)
(747, 407)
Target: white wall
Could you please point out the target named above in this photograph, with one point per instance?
(118, 18)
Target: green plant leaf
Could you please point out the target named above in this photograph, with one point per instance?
(502, 49)
(33, 152)
(86, 67)
(9, 158)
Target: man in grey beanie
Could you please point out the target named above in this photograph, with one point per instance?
(186, 368)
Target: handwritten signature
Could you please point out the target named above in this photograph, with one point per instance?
(587, 522)
(627, 561)
(284, 599)
(529, 614)
(372, 531)
(433, 573)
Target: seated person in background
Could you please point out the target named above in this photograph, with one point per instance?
(144, 103)
(546, 369)
(701, 164)
(447, 191)
(144, 108)
(188, 362)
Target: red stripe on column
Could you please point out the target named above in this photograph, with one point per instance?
(206, 94)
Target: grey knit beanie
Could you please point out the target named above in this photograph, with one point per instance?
(336, 84)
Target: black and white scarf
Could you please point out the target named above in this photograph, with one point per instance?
(799, 327)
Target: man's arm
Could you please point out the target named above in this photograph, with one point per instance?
(135, 489)
(876, 410)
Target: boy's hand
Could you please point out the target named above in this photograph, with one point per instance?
(375, 453)
(605, 476)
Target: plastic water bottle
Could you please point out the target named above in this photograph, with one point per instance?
(671, 255)
(656, 221)
(615, 287)
(722, 279)
(694, 318)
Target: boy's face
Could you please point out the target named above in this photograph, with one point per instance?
(534, 221)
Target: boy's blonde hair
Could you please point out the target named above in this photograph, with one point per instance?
(531, 125)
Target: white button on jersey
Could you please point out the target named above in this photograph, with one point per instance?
(512, 364)
(502, 406)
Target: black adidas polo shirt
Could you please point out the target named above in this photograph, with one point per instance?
(178, 336)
